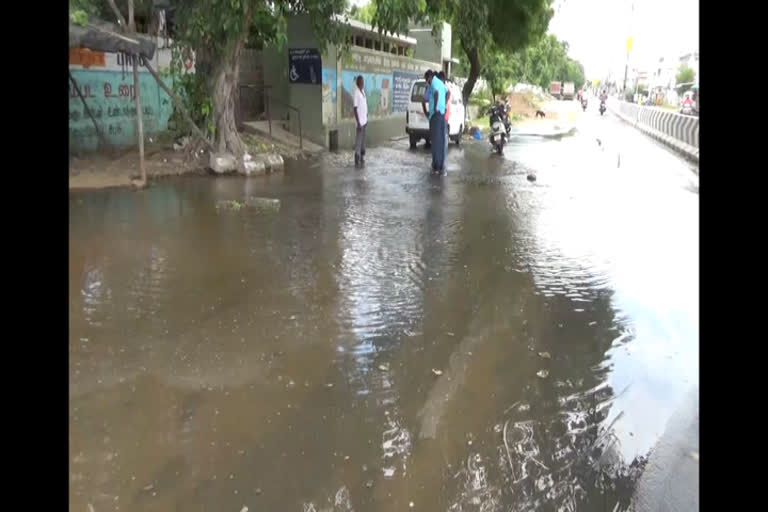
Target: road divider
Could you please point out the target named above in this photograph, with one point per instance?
(677, 131)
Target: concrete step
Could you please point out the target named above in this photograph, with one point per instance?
(279, 134)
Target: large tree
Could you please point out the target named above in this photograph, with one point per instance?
(218, 30)
(478, 25)
(544, 62)
(365, 13)
(485, 26)
(499, 69)
(685, 75)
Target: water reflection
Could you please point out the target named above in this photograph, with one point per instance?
(475, 342)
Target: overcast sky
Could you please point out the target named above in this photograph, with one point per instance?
(597, 31)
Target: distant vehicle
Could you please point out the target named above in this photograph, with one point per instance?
(687, 106)
(417, 124)
(555, 89)
(568, 90)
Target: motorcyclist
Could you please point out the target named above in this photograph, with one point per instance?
(603, 96)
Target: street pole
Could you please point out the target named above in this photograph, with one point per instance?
(626, 67)
(629, 47)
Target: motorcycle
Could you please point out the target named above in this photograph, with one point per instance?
(602, 107)
(505, 108)
(584, 103)
(499, 129)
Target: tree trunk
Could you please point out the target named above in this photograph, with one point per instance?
(474, 71)
(224, 85)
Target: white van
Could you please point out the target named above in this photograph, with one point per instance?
(417, 124)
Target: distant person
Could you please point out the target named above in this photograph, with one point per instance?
(441, 76)
(361, 116)
(436, 115)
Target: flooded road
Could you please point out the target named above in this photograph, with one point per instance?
(389, 340)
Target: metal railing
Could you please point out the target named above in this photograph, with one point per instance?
(267, 100)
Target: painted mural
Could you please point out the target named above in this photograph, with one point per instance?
(378, 92)
(106, 83)
(329, 96)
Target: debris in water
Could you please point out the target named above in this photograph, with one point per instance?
(384, 367)
(450, 334)
(256, 203)
(531, 177)
(389, 472)
(410, 504)
(329, 385)
(244, 509)
(149, 487)
(258, 491)
(369, 484)
(545, 355)
(543, 373)
(229, 205)
(346, 457)
(263, 203)
(437, 372)
(90, 508)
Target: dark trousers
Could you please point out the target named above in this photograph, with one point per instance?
(437, 139)
(360, 141)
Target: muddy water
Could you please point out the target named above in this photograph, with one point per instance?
(379, 342)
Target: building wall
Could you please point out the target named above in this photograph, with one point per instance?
(387, 82)
(106, 82)
(427, 48)
(327, 106)
(306, 97)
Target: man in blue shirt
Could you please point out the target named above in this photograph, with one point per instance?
(436, 95)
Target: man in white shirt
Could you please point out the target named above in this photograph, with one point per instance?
(361, 116)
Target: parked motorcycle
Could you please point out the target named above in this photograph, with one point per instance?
(499, 129)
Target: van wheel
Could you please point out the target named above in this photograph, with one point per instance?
(458, 135)
(413, 140)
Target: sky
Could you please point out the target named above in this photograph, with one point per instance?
(597, 31)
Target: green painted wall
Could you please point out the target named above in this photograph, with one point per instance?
(110, 97)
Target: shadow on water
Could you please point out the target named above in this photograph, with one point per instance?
(389, 337)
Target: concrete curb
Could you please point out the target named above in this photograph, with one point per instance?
(686, 150)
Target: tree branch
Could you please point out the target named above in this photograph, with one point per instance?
(131, 20)
(119, 15)
(178, 104)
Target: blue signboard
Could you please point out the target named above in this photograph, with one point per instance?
(304, 66)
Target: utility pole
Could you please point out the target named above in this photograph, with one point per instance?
(629, 46)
